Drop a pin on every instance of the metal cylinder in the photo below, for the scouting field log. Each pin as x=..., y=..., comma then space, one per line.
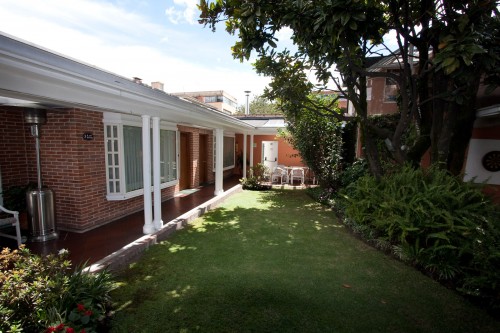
x=41, y=215
x=35, y=116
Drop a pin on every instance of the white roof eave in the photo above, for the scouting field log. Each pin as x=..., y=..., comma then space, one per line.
x=31, y=73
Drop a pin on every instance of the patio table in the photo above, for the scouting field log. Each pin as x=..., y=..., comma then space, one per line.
x=289, y=170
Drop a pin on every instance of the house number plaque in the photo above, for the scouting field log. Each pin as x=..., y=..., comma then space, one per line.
x=88, y=136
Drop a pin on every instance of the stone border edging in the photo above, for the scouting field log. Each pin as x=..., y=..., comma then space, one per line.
x=120, y=259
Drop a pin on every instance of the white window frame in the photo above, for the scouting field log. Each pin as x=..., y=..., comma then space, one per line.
x=113, y=119
x=229, y=135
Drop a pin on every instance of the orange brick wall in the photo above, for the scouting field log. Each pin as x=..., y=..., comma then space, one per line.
x=287, y=155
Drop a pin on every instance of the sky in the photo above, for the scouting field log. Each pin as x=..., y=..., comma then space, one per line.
x=154, y=40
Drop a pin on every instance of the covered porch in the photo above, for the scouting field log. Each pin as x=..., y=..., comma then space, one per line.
x=94, y=245
x=100, y=140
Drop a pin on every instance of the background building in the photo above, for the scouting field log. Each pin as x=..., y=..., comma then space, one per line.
x=219, y=99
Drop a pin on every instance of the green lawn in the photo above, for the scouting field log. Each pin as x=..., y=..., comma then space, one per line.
x=278, y=262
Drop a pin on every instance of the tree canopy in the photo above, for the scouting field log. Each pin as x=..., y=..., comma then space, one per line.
x=443, y=51
x=318, y=139
x=259, y=105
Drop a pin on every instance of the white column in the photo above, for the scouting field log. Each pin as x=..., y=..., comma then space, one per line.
x=251, y=150
x=158, y=223
x=148, y=227
x=244, y=155
x=219, y=160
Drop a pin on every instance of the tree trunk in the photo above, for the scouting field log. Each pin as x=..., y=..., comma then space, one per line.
x=423, y=118
x=463, y=128
x=439, y=111
x=370, y=150
x=443, y=144
x=368, y=141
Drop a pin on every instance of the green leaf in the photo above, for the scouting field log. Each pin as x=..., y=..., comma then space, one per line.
x=85, y=320
x=439, y=235
x=359, y=16
x=451, y=68
x=344, y=18
x=73, y=316
x=448, y=61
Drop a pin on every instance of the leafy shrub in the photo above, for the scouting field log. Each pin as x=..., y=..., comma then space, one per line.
x=257, y=175
x=408, y=139
x=321, y=195
x=41, y=293
x=330, y=196
x=435, y=221
x=353, y=172
x=318, y=137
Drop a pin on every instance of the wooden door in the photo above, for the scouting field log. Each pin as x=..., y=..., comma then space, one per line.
x=203, y=159
x=185, y=172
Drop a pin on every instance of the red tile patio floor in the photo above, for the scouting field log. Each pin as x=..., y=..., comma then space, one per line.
x=96, y=244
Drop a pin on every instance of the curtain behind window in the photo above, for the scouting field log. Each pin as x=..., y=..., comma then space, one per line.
x=168, y=156
x=132, y=144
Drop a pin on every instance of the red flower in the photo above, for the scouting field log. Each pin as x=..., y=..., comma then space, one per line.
x=83, y=330
x=50, y=329
x=80, y=307
x=60, y=327
x=70, y=330
x=88, y=313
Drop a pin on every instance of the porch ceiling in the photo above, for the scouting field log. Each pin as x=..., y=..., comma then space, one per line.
x=31, y=76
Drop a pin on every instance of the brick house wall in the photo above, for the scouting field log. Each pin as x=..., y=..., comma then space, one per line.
x=377, y=104
x=194, y=155
x=13, y=154
x=74, y=168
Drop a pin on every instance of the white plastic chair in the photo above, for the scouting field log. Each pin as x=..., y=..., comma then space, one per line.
x=279, y=173
x=297, y=173
x=12, y=221
x=285, y=171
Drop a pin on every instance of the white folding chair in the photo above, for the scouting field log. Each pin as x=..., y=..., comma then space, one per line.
x=11, y=221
